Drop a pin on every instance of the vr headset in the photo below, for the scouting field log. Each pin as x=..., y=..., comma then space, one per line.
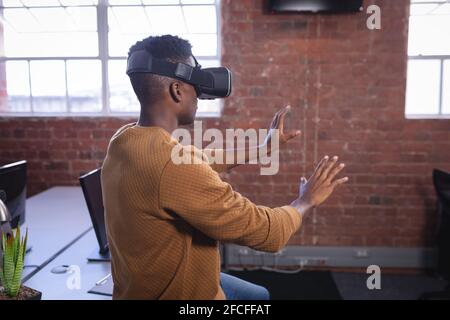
x=209, y=83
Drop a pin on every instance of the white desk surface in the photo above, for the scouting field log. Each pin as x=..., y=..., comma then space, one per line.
x=54, y=286
x=54, y=218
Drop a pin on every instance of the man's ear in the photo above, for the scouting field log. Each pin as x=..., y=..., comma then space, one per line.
x=175, y=91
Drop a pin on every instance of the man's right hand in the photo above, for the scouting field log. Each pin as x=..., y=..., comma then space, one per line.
x=320, y=185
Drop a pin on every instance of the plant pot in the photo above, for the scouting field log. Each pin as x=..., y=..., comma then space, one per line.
x=25, y=293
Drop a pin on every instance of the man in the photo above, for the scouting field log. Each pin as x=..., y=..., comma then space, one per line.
x=164, y=220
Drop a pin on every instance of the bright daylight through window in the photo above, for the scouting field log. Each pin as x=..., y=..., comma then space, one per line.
x=428, y=82
x=68, y=57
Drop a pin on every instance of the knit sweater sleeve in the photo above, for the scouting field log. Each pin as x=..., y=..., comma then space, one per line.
x=196, y=194
x=216, y=158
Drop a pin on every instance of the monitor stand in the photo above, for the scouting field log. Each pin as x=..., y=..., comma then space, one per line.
x=96, y=256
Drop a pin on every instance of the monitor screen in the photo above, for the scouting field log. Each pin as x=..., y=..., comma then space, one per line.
x=315, y=5
x=13, y=190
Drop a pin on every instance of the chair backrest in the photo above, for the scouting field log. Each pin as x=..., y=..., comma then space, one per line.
x=441, y=180
x=92, y=190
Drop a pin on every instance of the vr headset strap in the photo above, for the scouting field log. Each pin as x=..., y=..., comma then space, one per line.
x=141, y=62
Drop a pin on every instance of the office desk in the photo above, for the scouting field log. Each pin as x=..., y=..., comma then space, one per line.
x=54, y=286
x=55, y=219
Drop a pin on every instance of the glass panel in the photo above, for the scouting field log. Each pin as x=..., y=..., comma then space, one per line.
x=12, y=3
x=197, y=1
x=160, y=23
x=51, y=44
x=78, y=2
x=166, y=2
x=203, y=44
x=83, y=18
x=423, y=87
x=60, y=32
x=17, y=87
x=41, y=3
x=48, y=86
x=84, y=81
x=21, y=20
x=119, y=44
x=201, y=19
x=124, y=34
x=128, y=20
x=446, y=88
x=420, y=9
x=427, y=34
x=443, y=9
x=209, y=106
x=124, y=2
x=413, y=1
x=121, y=94
x=66, y=19
x=53, y=19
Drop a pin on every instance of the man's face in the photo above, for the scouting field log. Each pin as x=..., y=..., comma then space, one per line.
x=189, y=102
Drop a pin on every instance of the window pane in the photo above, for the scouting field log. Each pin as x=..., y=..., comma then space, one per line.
x=124, y=34
x=209, y=106
x=48, y=86
x=34, y=3
x=121, y=95
x=413, y=1
x=20, y=20
x=128, y=20
x=443, y=9
x=420, y=9
x=423, y=87
x=203, y=44
x=446, y=88
x=119, y=44
x=51, y=32
x=201, y=19
x=17, y=87
x=426, y=34
x=160, y=23
x=12, y=3
x=78, y=2
x=197, y=1
x=128, y=25
x=124, y=2
x=84, y=85
x=165, y=2
x=82, y=18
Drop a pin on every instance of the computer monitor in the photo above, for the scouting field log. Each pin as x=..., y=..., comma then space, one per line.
x=13, y=190
x=92, y=190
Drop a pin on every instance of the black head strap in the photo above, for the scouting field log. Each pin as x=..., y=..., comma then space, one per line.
x=142, y=62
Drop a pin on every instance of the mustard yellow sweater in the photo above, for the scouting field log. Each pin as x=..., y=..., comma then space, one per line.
x=164, y=220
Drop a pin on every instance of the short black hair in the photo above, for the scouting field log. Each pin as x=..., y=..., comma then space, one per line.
x=167, y=47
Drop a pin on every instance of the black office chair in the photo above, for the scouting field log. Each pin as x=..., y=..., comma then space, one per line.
x=441, y=181
x=92, y=190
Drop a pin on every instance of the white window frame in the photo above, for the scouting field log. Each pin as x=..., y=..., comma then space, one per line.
x=441, y=58
x=104, y=58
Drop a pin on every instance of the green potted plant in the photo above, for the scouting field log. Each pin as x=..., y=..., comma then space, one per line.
x=11, y=269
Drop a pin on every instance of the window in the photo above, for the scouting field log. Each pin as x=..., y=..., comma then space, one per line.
x=428, y=81
x=68, y=57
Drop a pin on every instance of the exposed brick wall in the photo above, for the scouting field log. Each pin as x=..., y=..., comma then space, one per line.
x=346, y=85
